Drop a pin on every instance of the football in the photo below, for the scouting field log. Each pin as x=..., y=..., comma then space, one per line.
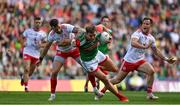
x=105, y=37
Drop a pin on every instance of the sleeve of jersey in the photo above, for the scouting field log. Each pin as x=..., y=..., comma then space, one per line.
x=50, y=38
x=135, y=35
x=78, y=43
x=80, y=40
x=69, y=27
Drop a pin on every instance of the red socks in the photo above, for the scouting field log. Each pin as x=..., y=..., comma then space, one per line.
x=104, y=90
x=53, y=84
x=92, y=80
x=149, y=89
x=25, y=83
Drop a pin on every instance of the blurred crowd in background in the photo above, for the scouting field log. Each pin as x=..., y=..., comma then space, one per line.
x=125, y=16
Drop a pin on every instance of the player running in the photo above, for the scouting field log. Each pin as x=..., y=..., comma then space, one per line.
x=135, y=57
x=92, y=58
x=33, y=39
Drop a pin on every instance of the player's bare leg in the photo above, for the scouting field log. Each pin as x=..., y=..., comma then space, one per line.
x=56, y=68
x=117, y=79
x=100, y=75
x=149, y=70
x=32, y=69
x=25, y=76
x=109, y=65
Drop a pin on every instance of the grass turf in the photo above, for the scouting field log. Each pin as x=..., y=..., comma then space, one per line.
x=81, y=98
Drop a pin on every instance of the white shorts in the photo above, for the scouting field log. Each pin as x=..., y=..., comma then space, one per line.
x=92, y=65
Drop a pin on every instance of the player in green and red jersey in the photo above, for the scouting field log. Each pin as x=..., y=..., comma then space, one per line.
x=92, y=58
x=103, y=47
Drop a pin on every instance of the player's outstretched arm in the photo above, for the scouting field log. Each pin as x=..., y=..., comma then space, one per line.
x=158, y=53
x=78, y=30
x=44, y=52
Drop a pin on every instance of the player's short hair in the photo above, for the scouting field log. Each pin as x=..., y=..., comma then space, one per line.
x=90, y=29
x=37, y=18
x=53, y=22
x=147, y=18
x=104, y=17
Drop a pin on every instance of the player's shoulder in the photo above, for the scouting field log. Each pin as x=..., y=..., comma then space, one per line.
x=137, y=32
x=65, y=25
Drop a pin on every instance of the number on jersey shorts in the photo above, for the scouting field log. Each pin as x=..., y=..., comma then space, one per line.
x=92, y=65
x=32, y=59
x=62, y=56
x=127, y=66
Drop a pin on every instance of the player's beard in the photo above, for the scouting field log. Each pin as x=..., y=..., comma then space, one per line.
x=145, y=30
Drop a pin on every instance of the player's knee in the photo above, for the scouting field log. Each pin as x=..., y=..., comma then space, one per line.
x=54, y=74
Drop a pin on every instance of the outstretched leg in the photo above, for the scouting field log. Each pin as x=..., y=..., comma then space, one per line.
x=109, y=85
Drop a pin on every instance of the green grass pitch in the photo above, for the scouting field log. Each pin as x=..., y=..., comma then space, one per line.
x=81, y=98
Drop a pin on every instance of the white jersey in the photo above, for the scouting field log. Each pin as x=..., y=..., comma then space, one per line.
x=66, y=34
x=135, y=54
x=33, y=39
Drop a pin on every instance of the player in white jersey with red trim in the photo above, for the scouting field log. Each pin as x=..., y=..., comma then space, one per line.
x=135, y=57
x=62, y=35
x=33, y=39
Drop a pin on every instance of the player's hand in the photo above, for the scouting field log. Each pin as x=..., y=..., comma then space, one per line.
x=171, y=60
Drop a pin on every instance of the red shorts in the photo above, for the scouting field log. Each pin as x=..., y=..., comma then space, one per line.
x=127, y=66
x=73, y=53
x=27, y=57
